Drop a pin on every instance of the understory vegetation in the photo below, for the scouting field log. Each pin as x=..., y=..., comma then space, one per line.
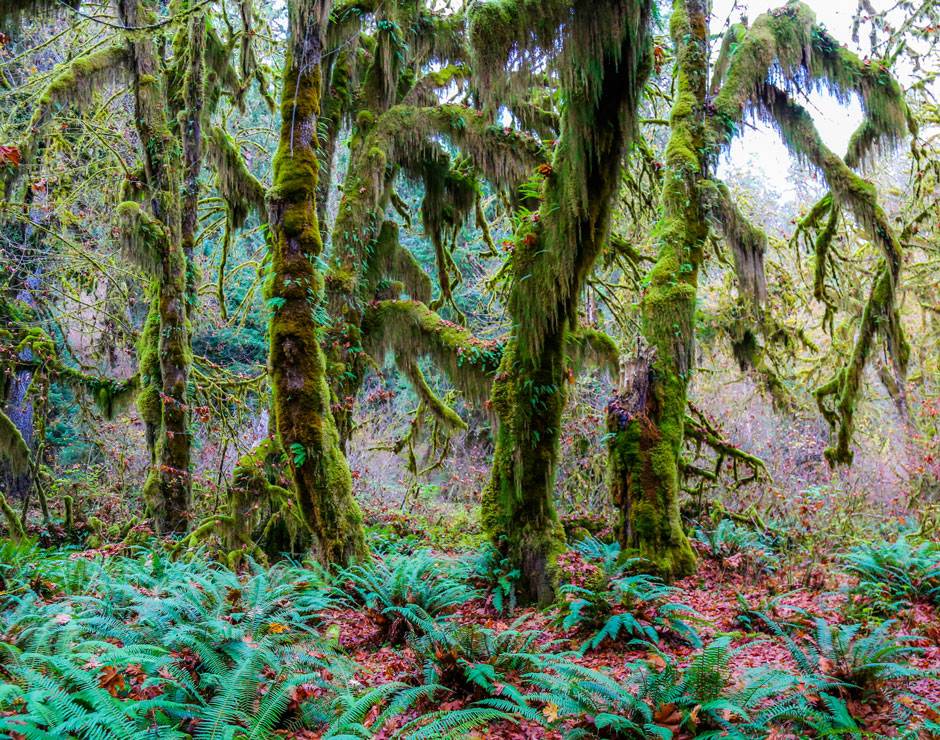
x=431, y=369
x=139, y=643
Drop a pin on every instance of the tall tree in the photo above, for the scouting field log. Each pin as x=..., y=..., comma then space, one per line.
x=758, y=70
x=303, y=417
x=602, y=54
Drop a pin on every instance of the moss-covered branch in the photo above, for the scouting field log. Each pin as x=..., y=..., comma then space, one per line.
x=586, y=347
x=143, y=238
x=242, y=191
x=747, y=241
x=13, y=447
x=412, y=330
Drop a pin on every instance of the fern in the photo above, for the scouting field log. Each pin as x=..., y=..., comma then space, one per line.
x=403, y=593
x=614, y=604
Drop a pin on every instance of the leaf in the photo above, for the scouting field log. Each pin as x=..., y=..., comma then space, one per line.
x=299, y=453
x=111, y=680
x=667, y=715
x=10, y=155
x=551, y=712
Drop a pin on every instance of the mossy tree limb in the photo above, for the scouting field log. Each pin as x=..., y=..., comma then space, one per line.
x=304, y=421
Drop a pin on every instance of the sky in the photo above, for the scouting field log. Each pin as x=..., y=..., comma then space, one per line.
x=759, y=149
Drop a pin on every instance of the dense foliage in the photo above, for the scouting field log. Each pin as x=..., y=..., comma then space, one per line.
x=445, y=368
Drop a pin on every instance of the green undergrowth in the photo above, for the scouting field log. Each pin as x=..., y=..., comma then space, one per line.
x=142, y=644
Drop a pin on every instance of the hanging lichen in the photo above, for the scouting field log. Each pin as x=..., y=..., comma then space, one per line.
x=143, y=238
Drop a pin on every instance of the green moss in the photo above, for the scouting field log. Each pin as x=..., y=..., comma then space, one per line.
x=239, y=187
x=264, y=510
x=645, y=421
x=74, y=82
x=15, y=530
x=306, y=429
x=143, y=238
x=411, y=330
x=13, y=448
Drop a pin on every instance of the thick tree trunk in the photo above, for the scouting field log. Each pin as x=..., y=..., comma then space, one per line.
x=553, y=256
x=646, y=420
x=518, y=503
x=303, y=418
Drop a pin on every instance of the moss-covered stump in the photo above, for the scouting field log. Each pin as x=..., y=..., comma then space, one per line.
x=264, y=510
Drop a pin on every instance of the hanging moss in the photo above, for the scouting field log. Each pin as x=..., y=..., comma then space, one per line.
x=110, y=396
x=748, y=244
x=790, y=40
x=586, y=347
x=13, y=11
x=15, y=530
x=143, y=238
x=519, y=34
x=241, y=190
x=881, y=312
x=444, y=413
x=601, y=53
x=411, y=330
x=786, y=51
x=74, y=82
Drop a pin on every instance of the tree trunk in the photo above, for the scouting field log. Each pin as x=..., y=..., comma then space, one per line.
x=553, y=255
x=303, y=418
x=646, y=419
x=165, y=341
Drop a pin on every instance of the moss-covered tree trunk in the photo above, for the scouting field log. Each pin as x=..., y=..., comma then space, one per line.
x=554, y=253
x=165, y=341
x=303, y=419
x=646, y=420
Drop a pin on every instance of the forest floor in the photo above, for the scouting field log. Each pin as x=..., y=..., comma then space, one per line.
x=131, y=621
x=715, y=593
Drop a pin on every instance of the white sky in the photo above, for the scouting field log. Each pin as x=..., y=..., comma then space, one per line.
x=759, y=148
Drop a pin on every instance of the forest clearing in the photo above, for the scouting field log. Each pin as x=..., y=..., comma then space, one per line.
x=506, y=369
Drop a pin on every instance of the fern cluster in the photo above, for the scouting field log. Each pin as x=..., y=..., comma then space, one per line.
x=734, y=545
x=615, y=603
x=404, y=593
x=892, y=575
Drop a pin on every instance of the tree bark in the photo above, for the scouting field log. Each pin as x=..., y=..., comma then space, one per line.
x=551, y=261
x=303, y=419
x=165, y=355
x=646, y=419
